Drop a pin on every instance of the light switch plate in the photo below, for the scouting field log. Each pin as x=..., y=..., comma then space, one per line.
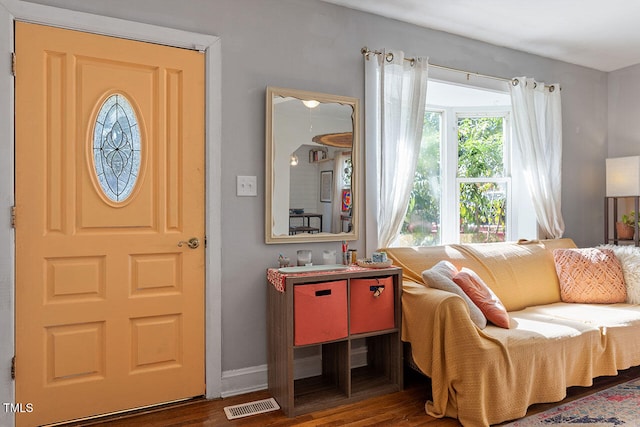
x=246, y=186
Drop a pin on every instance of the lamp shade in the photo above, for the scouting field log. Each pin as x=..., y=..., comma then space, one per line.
x=623, y=176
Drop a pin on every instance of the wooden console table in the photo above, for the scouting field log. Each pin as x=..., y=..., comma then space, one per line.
x=331, y=310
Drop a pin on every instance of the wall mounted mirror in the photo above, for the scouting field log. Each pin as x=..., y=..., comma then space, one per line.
x=312, y=145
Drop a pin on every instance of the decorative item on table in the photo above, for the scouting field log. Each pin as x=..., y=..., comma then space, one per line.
x=283, y=261
x=352, y=256
x=345, y=246
x=304, y=257
x=296, y=211
x=329, y=257
x=379, y=257
x=625, y=228
x=370, y=263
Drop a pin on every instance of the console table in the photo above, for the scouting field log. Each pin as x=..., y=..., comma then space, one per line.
x=306, y=226
x=332, y=310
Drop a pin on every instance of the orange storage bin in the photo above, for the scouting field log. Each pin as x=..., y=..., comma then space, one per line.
x=372, y=305
x=320, y=312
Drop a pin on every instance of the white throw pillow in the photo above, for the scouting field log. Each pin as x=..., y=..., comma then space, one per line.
x=439, y=277
x=629, y=257
x=445, y=268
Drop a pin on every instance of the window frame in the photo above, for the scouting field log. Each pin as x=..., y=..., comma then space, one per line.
x=450, y=182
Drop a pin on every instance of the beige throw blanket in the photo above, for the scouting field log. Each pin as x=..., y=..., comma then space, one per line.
x=484, y=377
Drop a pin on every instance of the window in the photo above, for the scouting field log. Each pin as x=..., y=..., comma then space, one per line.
x=482, y=181
x=116, y=148
x=462, y=187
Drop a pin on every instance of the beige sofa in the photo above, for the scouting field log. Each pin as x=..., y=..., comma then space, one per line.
x=491, y=375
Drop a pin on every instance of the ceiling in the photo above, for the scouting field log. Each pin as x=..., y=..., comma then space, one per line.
x=603, y=35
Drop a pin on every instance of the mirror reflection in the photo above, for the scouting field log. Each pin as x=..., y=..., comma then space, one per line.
x=311, y=145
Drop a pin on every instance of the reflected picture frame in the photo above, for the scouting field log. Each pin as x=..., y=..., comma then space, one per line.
x=346, y=200
x=326, y=184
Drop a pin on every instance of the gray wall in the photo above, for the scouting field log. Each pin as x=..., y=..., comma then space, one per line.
x=624, y=112
x=307, y=44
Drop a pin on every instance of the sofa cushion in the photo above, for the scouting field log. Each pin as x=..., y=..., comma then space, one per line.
x=629, y=257
x=440, y=277
x=619, y=326
x=590, y=275
x=414, y=260
x=521, y=275
x=483, y=297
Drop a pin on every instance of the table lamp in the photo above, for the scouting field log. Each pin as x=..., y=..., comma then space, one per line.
x=623, y=176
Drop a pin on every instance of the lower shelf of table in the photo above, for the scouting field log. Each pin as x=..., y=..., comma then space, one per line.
x=317, y=393
x=621, y=242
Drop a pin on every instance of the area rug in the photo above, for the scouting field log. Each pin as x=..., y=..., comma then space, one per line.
x=616, y=406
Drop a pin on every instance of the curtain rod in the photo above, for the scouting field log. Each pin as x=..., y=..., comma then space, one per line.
x=389, y=56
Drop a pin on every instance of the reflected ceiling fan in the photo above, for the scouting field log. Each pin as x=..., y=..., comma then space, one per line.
x=339, y=140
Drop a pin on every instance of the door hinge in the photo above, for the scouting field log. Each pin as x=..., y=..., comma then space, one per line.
x=13, y=368
x=13, y=217
x=13, y=63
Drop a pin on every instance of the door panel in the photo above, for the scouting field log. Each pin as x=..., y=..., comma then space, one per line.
x=109, y=310
x=99, y=78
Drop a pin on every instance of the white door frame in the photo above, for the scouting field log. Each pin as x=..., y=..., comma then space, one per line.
x=11, y=10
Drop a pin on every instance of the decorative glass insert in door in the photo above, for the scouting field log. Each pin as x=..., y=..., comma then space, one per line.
x=116, y=148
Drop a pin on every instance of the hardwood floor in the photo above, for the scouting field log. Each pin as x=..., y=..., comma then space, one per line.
x=405, y=408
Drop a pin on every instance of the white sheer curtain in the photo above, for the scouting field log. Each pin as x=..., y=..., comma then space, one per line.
x=338, y=186
x=395, y=94
x=538, y=125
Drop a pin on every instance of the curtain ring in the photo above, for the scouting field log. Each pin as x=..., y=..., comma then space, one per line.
x=515, y=82
x=389, y=57
x=412, y=62
x=535, y=85
x=552, y=88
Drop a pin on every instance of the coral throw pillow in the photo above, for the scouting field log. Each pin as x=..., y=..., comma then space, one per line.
x=440, y=277
x=483, y=297
x=590, y=275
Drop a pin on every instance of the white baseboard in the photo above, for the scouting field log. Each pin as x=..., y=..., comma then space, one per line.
x=254, y=378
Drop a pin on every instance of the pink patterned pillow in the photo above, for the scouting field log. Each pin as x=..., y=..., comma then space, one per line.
x=483, y=297
x=590, y=275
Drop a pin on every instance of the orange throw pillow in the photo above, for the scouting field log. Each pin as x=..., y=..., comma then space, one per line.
x=483, y=297
x=590, y=275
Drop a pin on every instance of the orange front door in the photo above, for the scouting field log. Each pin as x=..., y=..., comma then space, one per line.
x=109, y=180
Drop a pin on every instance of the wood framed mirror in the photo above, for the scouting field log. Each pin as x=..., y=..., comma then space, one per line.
x=312, y=146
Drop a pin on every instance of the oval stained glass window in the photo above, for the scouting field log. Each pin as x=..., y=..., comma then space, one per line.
x=116, y=148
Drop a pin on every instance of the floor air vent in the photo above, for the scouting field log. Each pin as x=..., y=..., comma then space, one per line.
x=251, y=408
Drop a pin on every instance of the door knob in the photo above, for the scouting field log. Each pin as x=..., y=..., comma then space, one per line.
x=192, y=243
